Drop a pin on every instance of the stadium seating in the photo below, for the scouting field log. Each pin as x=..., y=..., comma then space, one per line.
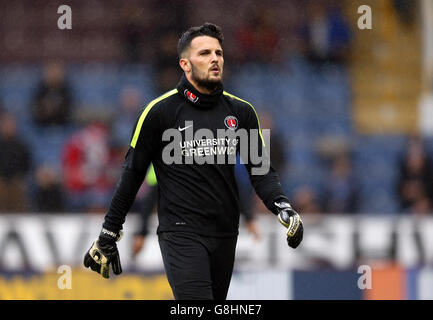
x=307, y=105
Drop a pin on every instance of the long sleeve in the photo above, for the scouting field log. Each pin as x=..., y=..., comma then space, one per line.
x=126, y=190
x=138, y=158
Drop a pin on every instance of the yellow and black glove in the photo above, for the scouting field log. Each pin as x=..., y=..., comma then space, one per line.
x=290, y=219
x=104, y=253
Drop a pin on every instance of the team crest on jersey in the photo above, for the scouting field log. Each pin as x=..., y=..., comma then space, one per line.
x=231, y=122
x=191, y=96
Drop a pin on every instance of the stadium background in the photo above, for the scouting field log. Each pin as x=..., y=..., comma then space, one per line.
x=348, y=108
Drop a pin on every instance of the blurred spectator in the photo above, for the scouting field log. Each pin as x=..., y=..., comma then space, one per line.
x=258, y=38
x=278, y=151
x=422, y=205
x=305, y=200
x=15, y=164
x=166, y=62
x=247, y=196
x=326, y=34
x=167, y=78
x=173, y=13
x=146, y=209
x=130, y=102
x=165, y=38
x=341, y=191
x=49, y=196
x=53, y=99
x=134, y=26
x=406, y=11
x=415, y=187
x=86, y=168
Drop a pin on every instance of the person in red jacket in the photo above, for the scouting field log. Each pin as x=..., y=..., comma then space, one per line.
x=85, y=162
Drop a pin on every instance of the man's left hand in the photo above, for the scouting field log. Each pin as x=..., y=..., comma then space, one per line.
x=290, y=219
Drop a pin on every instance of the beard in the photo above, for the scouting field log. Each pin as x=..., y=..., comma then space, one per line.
x=203, y=81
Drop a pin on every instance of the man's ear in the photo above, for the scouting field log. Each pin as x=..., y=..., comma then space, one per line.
x=185, y=65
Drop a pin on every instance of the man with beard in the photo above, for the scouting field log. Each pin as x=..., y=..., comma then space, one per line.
x=198, y=204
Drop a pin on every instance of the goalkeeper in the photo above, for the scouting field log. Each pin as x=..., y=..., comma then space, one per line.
x=198, y=204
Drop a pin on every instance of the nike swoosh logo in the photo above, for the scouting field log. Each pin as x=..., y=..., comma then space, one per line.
x=181, y=129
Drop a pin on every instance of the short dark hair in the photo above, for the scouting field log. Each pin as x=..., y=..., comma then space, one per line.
x=208, y=29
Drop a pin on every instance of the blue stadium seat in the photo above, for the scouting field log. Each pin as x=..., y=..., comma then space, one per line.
x=17, y=87
x=376, y=166
x=306, y=105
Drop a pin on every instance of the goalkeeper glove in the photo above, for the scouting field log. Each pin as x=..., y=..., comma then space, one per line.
x=290, y=219
x=104, y=253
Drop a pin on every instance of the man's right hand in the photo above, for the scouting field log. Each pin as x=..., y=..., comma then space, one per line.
x=104, y=253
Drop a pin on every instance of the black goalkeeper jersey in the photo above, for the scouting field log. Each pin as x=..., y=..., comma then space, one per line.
x=195, y=197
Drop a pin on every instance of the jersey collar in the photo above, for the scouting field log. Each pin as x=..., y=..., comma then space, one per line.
x=192, y=95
